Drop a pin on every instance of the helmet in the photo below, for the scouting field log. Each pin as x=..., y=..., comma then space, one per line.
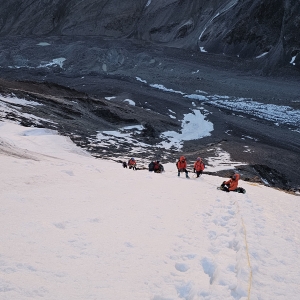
x=233, y=177
x=198, y=158
x=132, y=158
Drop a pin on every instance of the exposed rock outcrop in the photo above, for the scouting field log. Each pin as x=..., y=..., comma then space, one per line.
x=268, y=29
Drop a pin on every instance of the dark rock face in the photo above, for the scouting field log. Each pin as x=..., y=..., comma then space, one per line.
x=57, y=17
x=254, y=28
x=247, y=28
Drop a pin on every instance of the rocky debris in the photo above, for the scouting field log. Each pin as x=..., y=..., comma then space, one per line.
x=267, y=29
x=60, y=103
x=83, y=117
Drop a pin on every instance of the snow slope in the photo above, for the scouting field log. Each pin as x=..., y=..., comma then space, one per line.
x=76, y=227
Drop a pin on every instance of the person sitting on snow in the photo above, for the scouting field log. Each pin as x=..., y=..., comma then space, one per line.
x=132, y=163
x=181, y=166
x=198, y=166
x=156, y=166
x=231, y=184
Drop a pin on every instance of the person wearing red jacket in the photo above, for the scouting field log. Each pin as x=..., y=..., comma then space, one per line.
x=198, y=166
x=181, y=166
x=132, y=163
x=231, y=184
x=156, y=166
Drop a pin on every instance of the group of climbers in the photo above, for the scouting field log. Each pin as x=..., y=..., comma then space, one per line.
x=227, y=186
x=198, y=166
x=156, y=167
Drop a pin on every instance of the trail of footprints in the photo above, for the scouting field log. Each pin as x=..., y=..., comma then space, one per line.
x=216, y=271
x=227, y=264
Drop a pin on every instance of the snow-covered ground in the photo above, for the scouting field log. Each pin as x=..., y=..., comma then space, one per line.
x=76, y=227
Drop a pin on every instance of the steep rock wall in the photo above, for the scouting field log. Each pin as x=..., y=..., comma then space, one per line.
x=268, y=29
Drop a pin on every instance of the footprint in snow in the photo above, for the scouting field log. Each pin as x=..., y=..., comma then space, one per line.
x=181, y=267
x=208, y=267
x=68, y=172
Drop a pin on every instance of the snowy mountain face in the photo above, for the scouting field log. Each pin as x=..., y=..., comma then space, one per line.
x=76, y=227
x=85, y=85
x=246, y=29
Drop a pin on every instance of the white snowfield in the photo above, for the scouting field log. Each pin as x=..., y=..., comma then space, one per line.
x=75, y=227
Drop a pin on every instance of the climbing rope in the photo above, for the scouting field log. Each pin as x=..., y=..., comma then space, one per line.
x=246, y=243
x=247, y=252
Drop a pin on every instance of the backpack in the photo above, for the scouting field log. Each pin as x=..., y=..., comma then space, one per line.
x=151, y=166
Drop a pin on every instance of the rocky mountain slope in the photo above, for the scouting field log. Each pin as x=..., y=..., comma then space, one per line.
x=247, y=29
x=91, y=67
